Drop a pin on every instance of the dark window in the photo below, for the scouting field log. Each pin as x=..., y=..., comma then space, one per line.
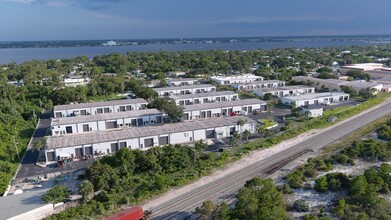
x=68, y=129
x=148, y=142
x=122, y=108
x=128, y=108
x=203, y=114
x=206, y=100
x=106, y=110
x=210, y=134
x=83, y=112
x=99, y=111
x=143, y=106
x=111, y=124
x=79, y=152
x=50, y=156
x=140, y=121
x=114, y=147
x=134, y=122
x=185, y=116
x=209, y=114
x=58, y=115
x=163, y=140
x=181, y=102
x=88, y=150
x=122, y=145
x=86, y=128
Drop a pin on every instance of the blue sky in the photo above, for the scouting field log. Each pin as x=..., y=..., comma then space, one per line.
x=135, y=19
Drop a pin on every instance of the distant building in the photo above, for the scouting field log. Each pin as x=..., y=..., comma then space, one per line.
x=257, y=84
x=93, y=108
x=285, y=91
x=110, y=43
x=208, y=97
x=323, y=98
x=182, y=90
x=76, y=82
x=313, y=110
x=176, y=73
x=16, y=83
x=228, y=80
x=361, y=67
x=181, y=81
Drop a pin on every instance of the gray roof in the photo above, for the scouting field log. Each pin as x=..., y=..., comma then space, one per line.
x=316, y=95
x=362, y=85
x=222, y=104
x=14, y=205
x=201, y=95
x=285, y=88
x=180, y=79
x=184, y=87
x=103, y=117
x=259, y=82
x=99, y=104
x=144, y=131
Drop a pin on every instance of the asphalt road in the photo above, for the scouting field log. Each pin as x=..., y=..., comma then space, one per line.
x=227, y=186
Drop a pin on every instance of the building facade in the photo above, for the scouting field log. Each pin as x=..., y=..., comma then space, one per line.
x=324, y=98
x=228, y=80
x=285, y=91
x=200, y=98
x=182, y=90
x=258, y=85
x=94, y=108
x=219, y=109
x=99, y=122
x=110, y=141
x=181, y=81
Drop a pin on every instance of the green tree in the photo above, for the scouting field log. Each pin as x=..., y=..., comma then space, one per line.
x=207, y=210
x=86, y=188
x=301, y=206
x=240, y=123
x=57, y=194
x=246, y=134
x=321, y=184
x=358, y=185
x=235, y=140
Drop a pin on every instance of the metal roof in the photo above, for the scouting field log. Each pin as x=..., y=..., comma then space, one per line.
x=143, y=131
x=201, y=95
x=315, y=95
x=225, y=104
x=184, y=87
x=285, y=88
x=103, y=117
x=259, y=82
x=99, y=104
x=180, y=79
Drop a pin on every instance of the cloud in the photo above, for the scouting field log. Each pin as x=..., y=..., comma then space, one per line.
x=261, y=20
x=97, y=4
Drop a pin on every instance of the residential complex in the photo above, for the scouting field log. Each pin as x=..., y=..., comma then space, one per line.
x=182, y=90
x=228, y=80
x=218, y=109
x=98, y=122
x=110, y=141
x=324, y=98
x=258, y=85
x=285, y=91
x=181, y=81
x=93, y=108
x=200, y=98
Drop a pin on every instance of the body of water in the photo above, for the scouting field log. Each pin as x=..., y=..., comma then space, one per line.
x=20, y=55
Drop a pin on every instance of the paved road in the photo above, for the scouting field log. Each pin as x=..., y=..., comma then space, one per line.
x=227, y=186
x=28, y=167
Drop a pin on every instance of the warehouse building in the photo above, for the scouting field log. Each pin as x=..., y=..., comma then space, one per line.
x=200, y=98
x=324, y=98
x=285, y=91
x=181, y=81
x=110, y=141
x=93, y=108
x=228, y=80
x=182, y=90
x=258, y=85
x=99, y=122
x=218, y=109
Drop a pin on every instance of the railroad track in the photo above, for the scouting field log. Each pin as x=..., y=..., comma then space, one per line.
x=229, y=184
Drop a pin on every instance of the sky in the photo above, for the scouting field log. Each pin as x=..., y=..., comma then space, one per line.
x=153, y=19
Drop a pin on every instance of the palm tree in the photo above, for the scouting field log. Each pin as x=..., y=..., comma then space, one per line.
x=240, y=123
x=246, y=134
x=235, y=140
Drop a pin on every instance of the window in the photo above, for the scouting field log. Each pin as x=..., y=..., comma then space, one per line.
x=122, y=145
x=106, y=110
x=181, y=102
x=99, y=111
x=68, y=129
x=86, y=128
x=128, y=108
x=186, y=134
x=122, y=108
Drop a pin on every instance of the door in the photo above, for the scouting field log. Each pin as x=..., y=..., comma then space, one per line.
x=50, y=156
x=209, y=114
x=163, y=140
x=148, y=142
x=79, y=152
x=140, y=122
x=114, y=147
x=111, y=124
x=88, y=151
x=68, y=129
x=210, y=134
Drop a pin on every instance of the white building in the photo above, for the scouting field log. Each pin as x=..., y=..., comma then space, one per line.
x=181, y=81
x=93, y=108
x=324, y=98
x=99, y=122
x=200, y=98
x=182, y=90
x=362, y=67
x=73, y=82
x=228, y=80
x=335, y=84
x=313, y=110
x=218, y=109
x=258, y=85
x=110, y=141
x=176, y=73
x=285, y=91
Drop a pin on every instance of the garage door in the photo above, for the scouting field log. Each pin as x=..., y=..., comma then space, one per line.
x=163, y=140
x=114, y=148
x=88, y=150
x=210, y=134
x=79, y=152
x=50, y=156
x=111, y=124
x=148, y=142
